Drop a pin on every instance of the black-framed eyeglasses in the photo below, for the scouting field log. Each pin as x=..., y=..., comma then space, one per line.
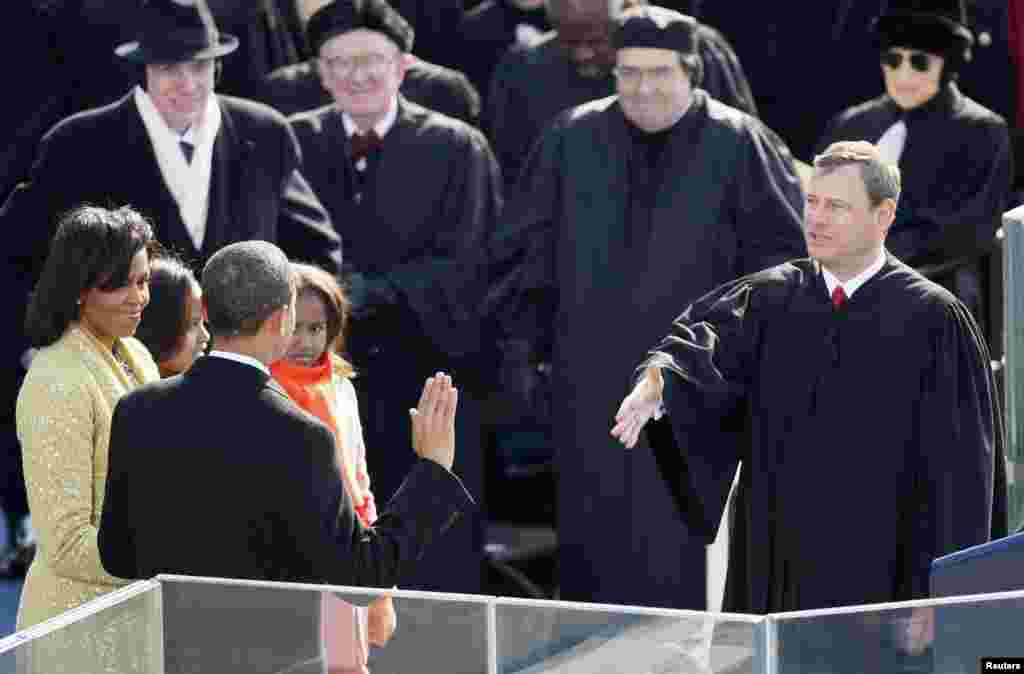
x=919, y=60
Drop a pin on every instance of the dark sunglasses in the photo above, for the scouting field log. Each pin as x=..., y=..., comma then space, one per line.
x=919, y=61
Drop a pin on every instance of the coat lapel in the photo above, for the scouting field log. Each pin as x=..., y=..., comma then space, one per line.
x=227, y=198
x=143, y=165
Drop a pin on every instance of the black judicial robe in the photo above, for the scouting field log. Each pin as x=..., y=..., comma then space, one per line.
x=956, y=175
x=601, y=259
x=297, y=88
x=532, y=85
x=415, y=224
x=868, y=435
x=488, y=30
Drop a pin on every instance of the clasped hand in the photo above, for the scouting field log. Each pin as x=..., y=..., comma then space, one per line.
x=433, y=421
x=639, y=407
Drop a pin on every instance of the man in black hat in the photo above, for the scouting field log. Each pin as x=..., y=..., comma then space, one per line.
x=208, y=170
x=629, y=205
x=572, y=65
x=296, y=88
x=954, y=152
x=415, y=195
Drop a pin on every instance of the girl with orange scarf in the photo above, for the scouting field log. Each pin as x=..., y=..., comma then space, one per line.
x=318, y=380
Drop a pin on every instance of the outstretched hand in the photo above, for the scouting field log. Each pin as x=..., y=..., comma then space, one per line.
x=433, y=421
x=639, y=407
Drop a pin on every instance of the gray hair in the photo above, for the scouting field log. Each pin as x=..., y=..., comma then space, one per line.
x=881, y=178
x=243, y=285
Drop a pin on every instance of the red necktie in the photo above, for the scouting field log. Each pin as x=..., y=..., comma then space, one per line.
x=838, y=298
x=362, y=144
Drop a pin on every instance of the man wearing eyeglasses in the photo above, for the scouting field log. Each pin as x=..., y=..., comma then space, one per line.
x=628, y=206
x=954, y=152
x=572, y=65
x=415, y=194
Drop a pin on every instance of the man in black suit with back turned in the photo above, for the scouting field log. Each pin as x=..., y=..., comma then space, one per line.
x=218, y=473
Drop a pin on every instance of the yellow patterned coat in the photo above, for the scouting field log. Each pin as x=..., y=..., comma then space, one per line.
x=63, y=416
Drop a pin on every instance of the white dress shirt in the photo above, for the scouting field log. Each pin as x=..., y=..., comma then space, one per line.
x=240, y=358
x=851, y=286
x=382, y=127
x=188, y=183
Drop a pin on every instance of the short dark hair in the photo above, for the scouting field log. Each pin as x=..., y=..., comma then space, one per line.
x=92, y=248
x=167, y=317
x=243, y=285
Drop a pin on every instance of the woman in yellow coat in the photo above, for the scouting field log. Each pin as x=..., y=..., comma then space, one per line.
x=81, y=318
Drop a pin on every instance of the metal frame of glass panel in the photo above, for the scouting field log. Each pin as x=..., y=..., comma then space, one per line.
x=629, y=628
x=1013, y=366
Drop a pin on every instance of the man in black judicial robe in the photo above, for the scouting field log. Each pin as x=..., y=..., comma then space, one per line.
x=954, y=151
x=416, y=205
x=572, y=65
x=627, y=207
x=297, y=88
x=858, y=396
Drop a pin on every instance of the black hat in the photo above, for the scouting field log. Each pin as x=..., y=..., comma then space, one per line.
x=171, y=31
x=937, y=26
x=341, y=16
x=656, y=28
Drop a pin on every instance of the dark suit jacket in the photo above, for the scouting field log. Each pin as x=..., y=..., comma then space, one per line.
x=218, y=473
x=104, y=156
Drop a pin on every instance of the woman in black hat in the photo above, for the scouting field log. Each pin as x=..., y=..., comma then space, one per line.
x=953, y=152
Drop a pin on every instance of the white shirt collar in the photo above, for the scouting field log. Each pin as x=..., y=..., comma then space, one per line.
x=381, y=127
x=240, y=358
x=851, y=286
x=155, y=122
x=188, y=183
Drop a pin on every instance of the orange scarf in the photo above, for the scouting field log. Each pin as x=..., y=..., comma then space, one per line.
x=313, y=389
x=308, y=386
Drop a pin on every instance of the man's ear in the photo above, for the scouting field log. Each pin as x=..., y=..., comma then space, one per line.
x=405, y=61
x=204, y=311
x=320, y=69
x=885, y=214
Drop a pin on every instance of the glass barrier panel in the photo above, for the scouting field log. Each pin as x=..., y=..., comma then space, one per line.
x=1013, y=369
x=951, y=636
x=119, y=632
x=225, y=626
x=549, y=637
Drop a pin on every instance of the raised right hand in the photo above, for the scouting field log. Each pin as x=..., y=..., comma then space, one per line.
x=433, y=421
